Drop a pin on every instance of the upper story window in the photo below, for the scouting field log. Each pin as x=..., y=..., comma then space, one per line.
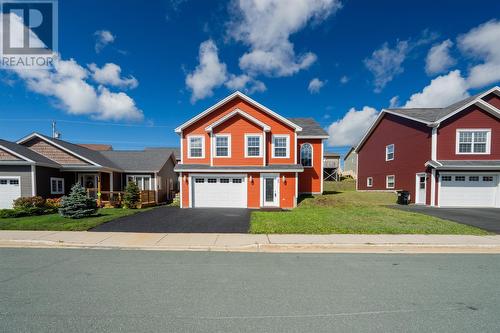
x=196, y=147
x=222, y=145
x=389, y=152
x=281, y=146
x=472, y=141
x=56, y=186
x=253, y=145
x=306, y=153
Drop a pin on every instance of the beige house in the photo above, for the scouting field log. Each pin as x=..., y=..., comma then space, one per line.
x=350, y=164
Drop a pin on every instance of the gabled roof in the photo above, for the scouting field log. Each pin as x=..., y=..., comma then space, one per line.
x=139, y=161
x=310, y=128
x=349, y=153
x=26, y=154
x=244, y=97
x=432, y=117
x=236, y=112
x=464, y=164
x=88, y=155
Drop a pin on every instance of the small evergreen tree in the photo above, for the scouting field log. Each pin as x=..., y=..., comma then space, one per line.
x=132, y=195
x=77, y=204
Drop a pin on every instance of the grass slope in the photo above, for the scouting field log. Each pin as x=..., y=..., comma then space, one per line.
x=58, y=223
x=342, y=210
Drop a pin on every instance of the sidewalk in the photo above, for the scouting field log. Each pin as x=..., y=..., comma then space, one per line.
x=253, y=243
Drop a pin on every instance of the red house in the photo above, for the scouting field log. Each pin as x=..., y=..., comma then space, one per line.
x=445, y=157
x=239, y=153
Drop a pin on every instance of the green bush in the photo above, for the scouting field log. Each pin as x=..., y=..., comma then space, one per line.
x=77, y=205
x=28, y=206
x=29, y=202
x=132, y=196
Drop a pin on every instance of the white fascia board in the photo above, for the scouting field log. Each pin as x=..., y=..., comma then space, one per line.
x=29, y=137
x=16, y=154
x=313, y=137
x=245, y=98
x=228, y=116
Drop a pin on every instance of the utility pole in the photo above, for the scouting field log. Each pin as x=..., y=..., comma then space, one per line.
x=55, y=133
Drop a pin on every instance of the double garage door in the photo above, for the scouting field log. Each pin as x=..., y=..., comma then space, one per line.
x=469, y=190
x=10, y=190
x=219, y=191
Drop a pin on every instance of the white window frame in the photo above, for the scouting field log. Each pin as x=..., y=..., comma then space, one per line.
x=189, y=137
x=387, y=181
x=387, y=152
x=312, y=154
x=261, y=144
x=134, y=177
x=214, y=144
x=488, y=141
x=57, y=180
x=287, y=136
x=369, y=182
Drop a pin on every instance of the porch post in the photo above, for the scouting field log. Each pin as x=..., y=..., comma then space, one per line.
x=111, y=183
x=99, y=189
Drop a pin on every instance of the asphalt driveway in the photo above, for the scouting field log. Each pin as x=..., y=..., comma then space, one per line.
x=176, y=220
x=484, y=218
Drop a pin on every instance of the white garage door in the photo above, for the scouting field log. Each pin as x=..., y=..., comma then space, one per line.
x=219, y=191
x=10, y=190
x=468, y=190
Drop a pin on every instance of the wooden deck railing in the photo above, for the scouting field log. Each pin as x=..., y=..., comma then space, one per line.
x=115, y=198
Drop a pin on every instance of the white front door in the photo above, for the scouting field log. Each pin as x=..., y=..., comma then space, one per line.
x=270, y=190
x=421, y=188
x=469, y=190
x=219, y=191
x=10, y=190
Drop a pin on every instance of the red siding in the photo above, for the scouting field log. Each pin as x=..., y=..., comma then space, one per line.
x=412, y=147
x=468, y=119
x=310, y=179
x=493, y=100
x=253, y=188
x=287, y=190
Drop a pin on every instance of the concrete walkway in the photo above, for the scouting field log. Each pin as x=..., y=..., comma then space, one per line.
x=254, y=243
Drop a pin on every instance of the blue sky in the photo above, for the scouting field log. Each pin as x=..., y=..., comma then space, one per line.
x=311, y=58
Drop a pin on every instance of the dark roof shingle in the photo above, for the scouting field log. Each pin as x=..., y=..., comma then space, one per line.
x=309, y=127
x=147, y=160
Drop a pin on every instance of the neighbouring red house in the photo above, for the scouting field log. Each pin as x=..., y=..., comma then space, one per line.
x=445, y=157
x=239, y=153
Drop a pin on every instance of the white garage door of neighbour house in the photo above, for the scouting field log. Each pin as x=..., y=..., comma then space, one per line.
x=10, y=190
x=219, y=191
x=466, y=190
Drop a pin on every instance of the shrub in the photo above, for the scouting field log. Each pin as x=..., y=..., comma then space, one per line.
x=54, y=203
x=77, y=205
x=29, y=202
x=132, y=196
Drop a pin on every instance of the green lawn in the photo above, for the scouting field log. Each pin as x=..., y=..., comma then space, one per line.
x=58, y=223
x=342, y=210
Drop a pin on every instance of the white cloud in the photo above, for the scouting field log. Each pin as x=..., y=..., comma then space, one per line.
x=103, y=38
x=344, y=79
x=315, y=85
x=350, y=129
x=110, y=74
x=266, y=27
x=67, y=82
x=245, y=83
x=209, y=74
x=385, y=63
x=394, y=102
x=442, y=91
x=438, y=59
x=483, y=43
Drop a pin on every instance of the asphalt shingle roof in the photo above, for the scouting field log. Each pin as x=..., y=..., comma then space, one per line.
x=433, y=114
x=28, y=153
x=147, y=160
x=175, y=150
x=309, y=127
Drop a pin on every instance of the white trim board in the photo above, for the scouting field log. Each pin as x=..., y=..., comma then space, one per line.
x=236, y=112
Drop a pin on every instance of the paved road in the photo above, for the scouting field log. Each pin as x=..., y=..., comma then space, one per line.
x=175, y=220
x=44, y=290
x=484, y=218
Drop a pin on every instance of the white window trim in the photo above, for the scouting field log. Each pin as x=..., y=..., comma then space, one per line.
x=202, y=146
x=287, y=136
x=261, y=144
x=387, y=182
x=488, y=140
x=387, y=152
x=214, y=144
x=312, y=154
x=369, y=182
x=142, y=176
x=56, y=179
